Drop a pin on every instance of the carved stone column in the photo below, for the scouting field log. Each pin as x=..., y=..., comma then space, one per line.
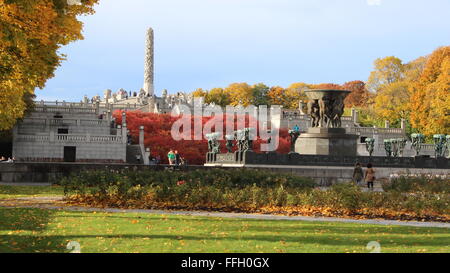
x=148, y=68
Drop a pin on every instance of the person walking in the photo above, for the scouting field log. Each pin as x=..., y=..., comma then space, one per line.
x=370, y=176
x=358, y=173
x=177, y=158
x=171, y=157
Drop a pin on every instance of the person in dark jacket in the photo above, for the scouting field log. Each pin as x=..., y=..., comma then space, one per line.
x=177, y=158
x=358, y=174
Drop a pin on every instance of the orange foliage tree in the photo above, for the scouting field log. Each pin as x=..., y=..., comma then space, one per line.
x=430, y=95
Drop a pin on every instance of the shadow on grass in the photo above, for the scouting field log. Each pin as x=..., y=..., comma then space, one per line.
x=57, y=243
x=14, y=221
x=280, y=226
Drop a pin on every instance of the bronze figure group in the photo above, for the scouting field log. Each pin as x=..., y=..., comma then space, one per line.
x=326, y=112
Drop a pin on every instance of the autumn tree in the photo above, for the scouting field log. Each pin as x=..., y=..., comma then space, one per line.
x=199, y=93
x=387, y=70
x=326, y=86
x=295, y=93
x=430, y=95
x=31, y=33
x=359, y=95
x=392, y=102
x=218, y=96
x=240, y=94
x=276, y=96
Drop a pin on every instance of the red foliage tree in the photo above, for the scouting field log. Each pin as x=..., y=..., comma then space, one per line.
x=157, y=132
x=359, y=95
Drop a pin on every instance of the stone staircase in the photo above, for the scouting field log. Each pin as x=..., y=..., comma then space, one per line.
x=133, y=152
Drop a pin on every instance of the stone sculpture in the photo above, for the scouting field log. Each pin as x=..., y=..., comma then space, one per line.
x=439, y=145
x=416, y=142
x=229, y=145
x=294, y=134
x=213, y=143
x=388, y=147
x=448, y=145
x=401, y=143
x=326, y=107
x=314, y=112
x=148, y=67
x=370, y=145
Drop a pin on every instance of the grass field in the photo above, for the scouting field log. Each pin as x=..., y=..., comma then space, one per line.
x=38, y=230
x=7, y=192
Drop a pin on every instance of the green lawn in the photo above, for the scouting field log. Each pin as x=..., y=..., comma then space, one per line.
x=36, y=230
x=29, y=191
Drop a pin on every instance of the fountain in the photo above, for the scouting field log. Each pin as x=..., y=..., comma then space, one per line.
x=326, y=137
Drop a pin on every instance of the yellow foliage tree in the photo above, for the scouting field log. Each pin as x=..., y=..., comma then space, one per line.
x=392, y=102
x=387, y=70
x=199, y=93
x=295, y=93
x=31, y=32
x=240, y=94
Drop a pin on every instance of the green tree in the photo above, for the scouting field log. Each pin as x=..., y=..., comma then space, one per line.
x=260, y=92
x=218, y=96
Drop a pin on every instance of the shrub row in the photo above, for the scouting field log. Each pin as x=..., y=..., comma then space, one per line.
x=244, y=190
x=422, y=183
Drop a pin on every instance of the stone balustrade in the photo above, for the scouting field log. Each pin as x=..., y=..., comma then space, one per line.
x=375, y=131
x=73, y=122
x=33, y=138
x=64, y=109
x=66, y=138
x=424, y=148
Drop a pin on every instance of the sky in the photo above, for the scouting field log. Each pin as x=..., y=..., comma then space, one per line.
x=212, y=43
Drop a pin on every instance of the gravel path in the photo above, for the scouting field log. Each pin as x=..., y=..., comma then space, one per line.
x=24, y=184
x=57, y=203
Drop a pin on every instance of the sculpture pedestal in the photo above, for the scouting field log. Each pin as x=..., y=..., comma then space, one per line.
x=327, y=141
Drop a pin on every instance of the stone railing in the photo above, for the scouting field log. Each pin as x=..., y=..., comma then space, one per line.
x=59, y=122
x=425, y=147
x=69, y=138
x=32, y=138
x=93, y=122
x=64, y=109
x=375, y=131
x=347, y=118
x=106, y=139
x=73, y=122
x=88, y=138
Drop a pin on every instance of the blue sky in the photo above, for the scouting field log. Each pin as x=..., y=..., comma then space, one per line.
x=212, y=43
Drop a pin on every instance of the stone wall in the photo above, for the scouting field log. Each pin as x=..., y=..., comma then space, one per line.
x=323, y=175
x=295, y=159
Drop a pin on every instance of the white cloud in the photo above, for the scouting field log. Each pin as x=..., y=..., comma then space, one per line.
x=373, y=2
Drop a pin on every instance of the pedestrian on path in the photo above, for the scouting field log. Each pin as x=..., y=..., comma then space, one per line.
x=171, y=157
x=370, y=176
x=177, y=158
x=358, y=174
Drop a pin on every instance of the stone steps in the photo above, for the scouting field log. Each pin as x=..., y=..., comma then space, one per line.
x=132, y=152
